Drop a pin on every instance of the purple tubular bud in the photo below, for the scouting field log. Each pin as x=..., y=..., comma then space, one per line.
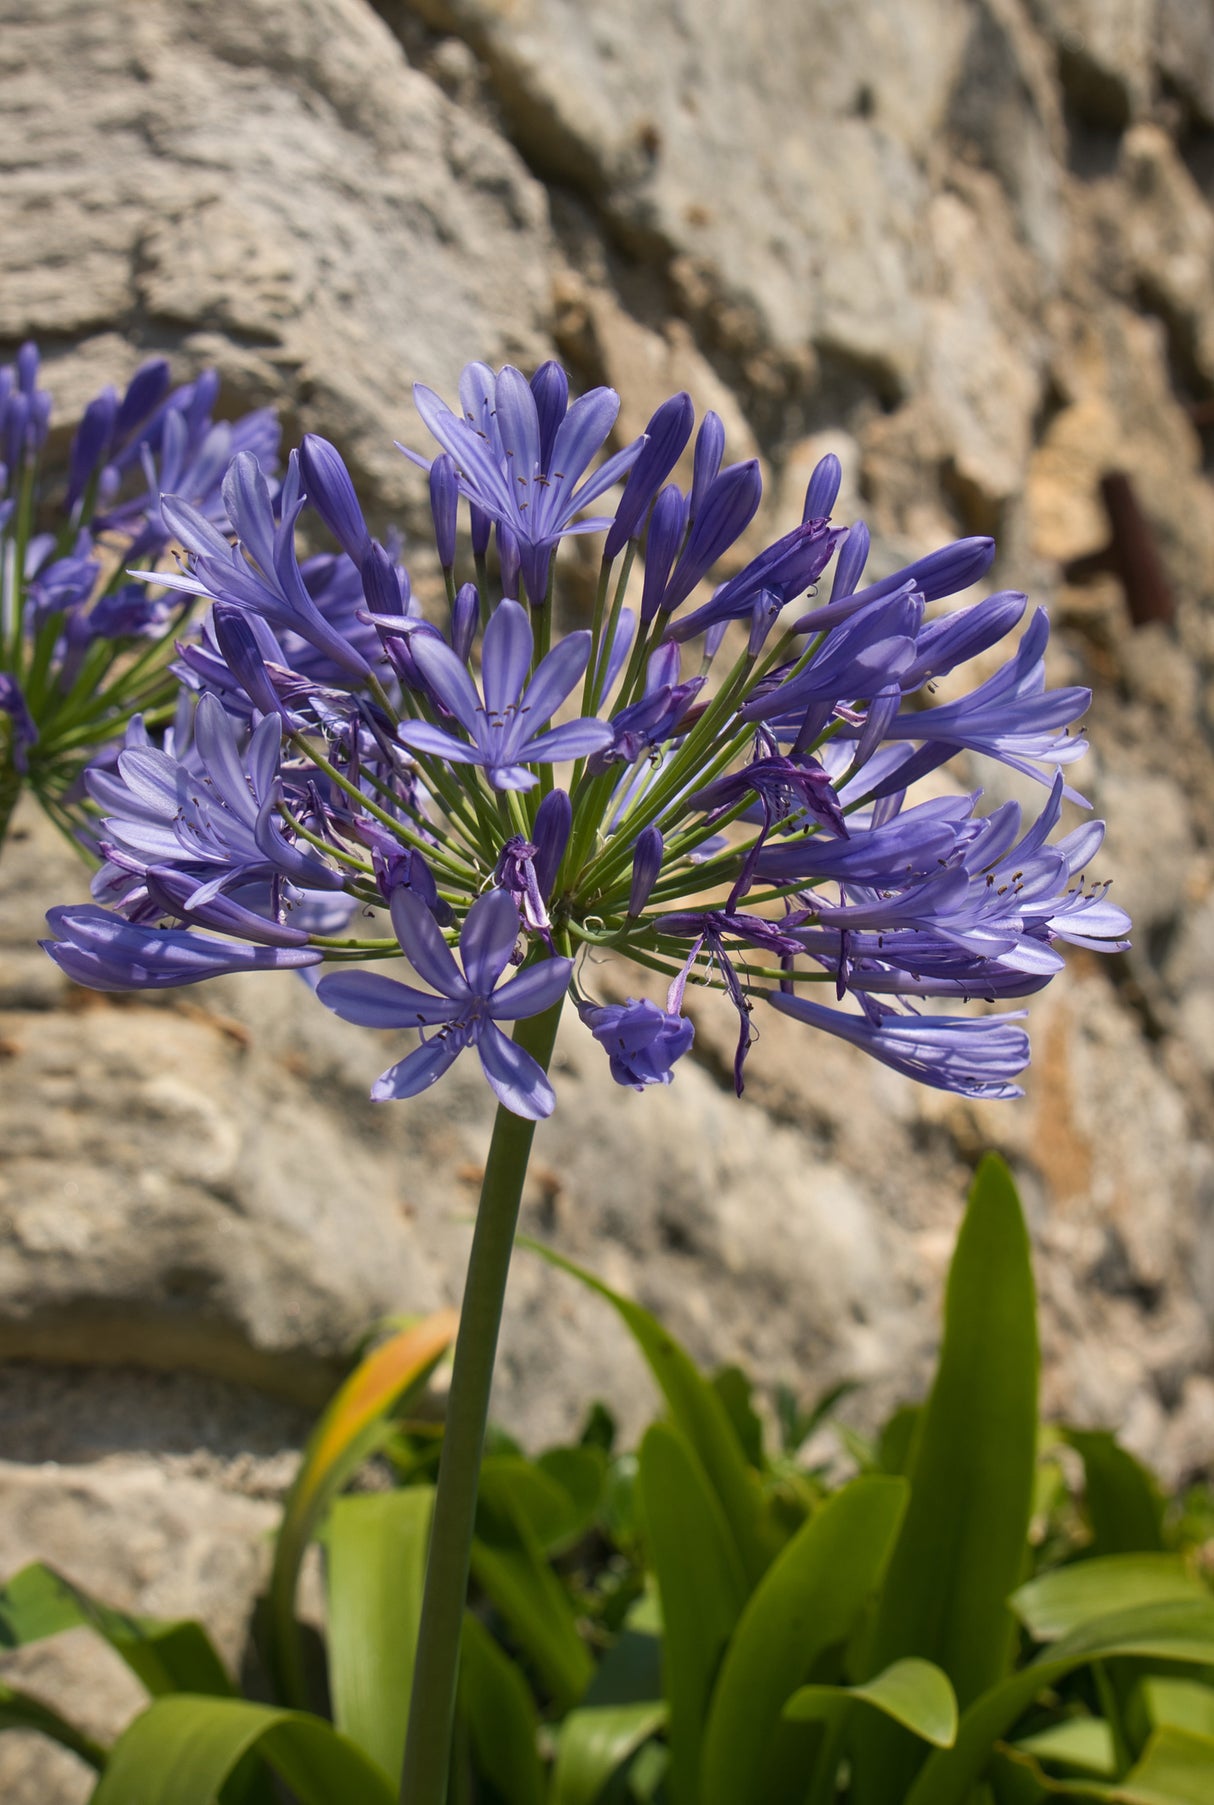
x=550, y=390
x=481, y=525
x=646, y=864
x=464, y=616
x=171, y=891
x=713, y=638
x=728, y=508
x=823, y=490
x=710, y=449
x=665, y=437
x=40, y=419
x=444, y=505
x=381, y=585
x=953, y=568
x=667, y=524
x=91, y=445
x=28, y=361
x=853, y=556
x=240, y=652
x=145, y=391
x=511, y=563
x=104, y=952
x=550, y=836
x=331, y=494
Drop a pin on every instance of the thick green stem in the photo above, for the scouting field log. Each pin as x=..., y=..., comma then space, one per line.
x=432, y=1707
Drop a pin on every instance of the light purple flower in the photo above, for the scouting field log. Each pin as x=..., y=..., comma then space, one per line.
x=642, y=1041
x=504, y=729
x=104, y=952
x=506, y=469
x=978, y=1058
x=467, y=1008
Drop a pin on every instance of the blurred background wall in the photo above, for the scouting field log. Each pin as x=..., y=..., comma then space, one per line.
x=968, y=245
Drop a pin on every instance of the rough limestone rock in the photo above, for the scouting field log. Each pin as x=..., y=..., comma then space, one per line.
x=970, y=247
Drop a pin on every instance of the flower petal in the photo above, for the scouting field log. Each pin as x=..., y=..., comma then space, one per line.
x=424, y=946
x=419, y=1069
x=506, y=655
x=448, y=679
x=488, y=939
x=514, y=1078
x=533, y=991
x=374, y=1001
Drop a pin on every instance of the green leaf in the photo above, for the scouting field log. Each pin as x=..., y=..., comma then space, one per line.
x=1082, y=1743
x=700, y=1414
x=165, y=1656
x=1179, y=1704
x=1181, y=1631
x=497, y=1707
x=913, y=1693
x=734, y=1390
x=594, y=1743
x=376, y=1550
x=806, y=1603
x=508, y=1564
x=539, y=1498
x=1177, y=1768
x=182, y=1749
x=1124, y=1504
x=18, y=1711
x=963, y=1541
x=351, y=1427
x=703, y=1590
x=582, y=1472
x=1055, y=1603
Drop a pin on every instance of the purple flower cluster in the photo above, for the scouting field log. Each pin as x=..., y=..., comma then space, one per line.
x=723, y=786
x=84, y=645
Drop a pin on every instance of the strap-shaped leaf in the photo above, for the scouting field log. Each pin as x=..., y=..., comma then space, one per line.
x=1124, y=1504
x=1056, y=1603
x=182, y=1749
x=700, y=1414
x=961, y=1549
x=498, y=1709
x=594, y=1743
x=508, y=1563
x=702, y=1586
x=1084, y=1744
x=167, y=1656
x=350, y=1428
x=1179, y=1704
x=808, y=1602
x=1177, y=1768
x=377, y=1545
x=914, y=1693
x=1182, y=1631
x=18, y=1711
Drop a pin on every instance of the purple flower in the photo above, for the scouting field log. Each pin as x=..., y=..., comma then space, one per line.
x=786, y=569
x=467, y=1008
x=507, y=471
x=978, y=1058
x=214, y=818
x=105, y=952
x=642, y=1041
x=1011, y=717
x=503, y=729
x=261, y=573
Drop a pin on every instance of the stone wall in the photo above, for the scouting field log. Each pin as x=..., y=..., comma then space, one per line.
x=969, y=245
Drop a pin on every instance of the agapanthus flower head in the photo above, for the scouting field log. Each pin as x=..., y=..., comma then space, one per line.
x=84, y=645
x=525, y=802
